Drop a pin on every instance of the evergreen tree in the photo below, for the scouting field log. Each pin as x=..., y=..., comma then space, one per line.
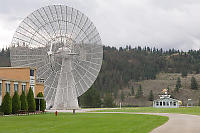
x=151, y=96
x=16, y=104
x=91, y=98
x=108, y=101
x=132, y=91
x=199, y=102
x=115, y=93
x=40, y=103
x=97, y=99
x=122, y=96
x=31, y=101
x=139, y=92
x=24, y=103
x=184, y=73
x=178, y=84
x=168, y=88
x=7, y=104
x=194, y=84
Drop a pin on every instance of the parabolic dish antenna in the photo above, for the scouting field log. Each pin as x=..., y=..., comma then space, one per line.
x=65, y=47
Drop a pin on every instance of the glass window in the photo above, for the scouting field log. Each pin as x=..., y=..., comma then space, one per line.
x=7, y=87
x=167, y=103
x=16, y=88
x=174, y=103
x=24, y=87
x=157, y=103
x=31, y=72
x=163, y=103
x=160, y=103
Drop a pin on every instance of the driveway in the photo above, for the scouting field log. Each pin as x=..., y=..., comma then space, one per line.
x=178, y=123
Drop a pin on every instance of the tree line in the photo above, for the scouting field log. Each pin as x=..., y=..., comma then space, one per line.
x=125, y=64
x=120, y=66
x=22, y=103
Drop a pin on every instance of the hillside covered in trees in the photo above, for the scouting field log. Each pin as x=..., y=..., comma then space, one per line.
x=135, y=64
x=124, y=66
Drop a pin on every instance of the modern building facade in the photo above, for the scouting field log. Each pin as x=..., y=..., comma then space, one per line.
x=18, y=79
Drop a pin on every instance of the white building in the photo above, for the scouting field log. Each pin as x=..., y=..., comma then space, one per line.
x=166, y=102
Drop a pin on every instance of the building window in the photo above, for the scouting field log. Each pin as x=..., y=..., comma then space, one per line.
x=160, y=103
x=24, y=87
x=0, y=88
x=167, y=103
x=16, y=87
x=163, y=103
x=31, y=72
x=7, y=87
x=157, y=103
x=174, y=103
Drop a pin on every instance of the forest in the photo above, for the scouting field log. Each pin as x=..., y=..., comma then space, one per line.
x=125, y=64
x=135, y=64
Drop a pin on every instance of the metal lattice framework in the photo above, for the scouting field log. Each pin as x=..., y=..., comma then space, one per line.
x=65, y=47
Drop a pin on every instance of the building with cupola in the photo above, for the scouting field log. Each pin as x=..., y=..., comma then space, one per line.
x=165, y=101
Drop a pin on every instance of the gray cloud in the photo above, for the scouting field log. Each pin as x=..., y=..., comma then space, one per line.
x=166, y=24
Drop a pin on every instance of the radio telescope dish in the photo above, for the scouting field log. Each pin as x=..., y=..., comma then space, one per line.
x=65, y=47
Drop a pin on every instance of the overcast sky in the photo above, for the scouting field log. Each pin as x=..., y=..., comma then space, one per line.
x=159, y=23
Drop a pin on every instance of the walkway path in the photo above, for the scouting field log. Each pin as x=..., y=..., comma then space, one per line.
x=178, y=123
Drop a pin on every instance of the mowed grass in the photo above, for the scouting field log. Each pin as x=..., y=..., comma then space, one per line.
x=181, y=110
x=81, y=123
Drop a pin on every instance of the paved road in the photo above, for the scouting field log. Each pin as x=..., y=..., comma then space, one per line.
x=178, y=123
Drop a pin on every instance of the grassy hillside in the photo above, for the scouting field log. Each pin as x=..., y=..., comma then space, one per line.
x=163, y=80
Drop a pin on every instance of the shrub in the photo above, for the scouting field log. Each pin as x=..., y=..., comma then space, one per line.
x=151, y=96
x=24, y=103
x=184, y=73
x=90, y=99
x=16, y=104
x=108, y=101
x=139, y=92
x=178, y=84
x=31, y=101
x=7, y=104
x=122, y=96
x=194, y=84
x=132, y=91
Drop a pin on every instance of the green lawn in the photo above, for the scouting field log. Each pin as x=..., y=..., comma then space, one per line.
x=181, y=110
x=81, y=123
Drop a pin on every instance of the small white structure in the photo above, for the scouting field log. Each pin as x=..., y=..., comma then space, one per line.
x=166, y=102
x=189, y=103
